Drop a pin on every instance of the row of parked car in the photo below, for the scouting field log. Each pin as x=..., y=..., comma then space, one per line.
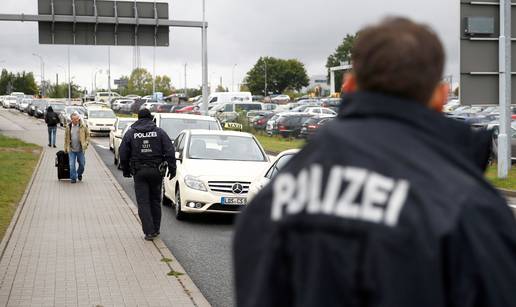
x=483, y=117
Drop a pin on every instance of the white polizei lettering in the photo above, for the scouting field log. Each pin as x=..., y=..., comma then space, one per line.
x=141, y=135
x=315, y=187
x=382, y=197
x=298, y=203
x=284, y=188
x=346, y=206
x=332, y=190
x=376, y=194
x=398, y=198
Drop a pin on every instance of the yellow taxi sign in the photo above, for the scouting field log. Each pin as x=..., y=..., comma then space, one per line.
x=233, y=126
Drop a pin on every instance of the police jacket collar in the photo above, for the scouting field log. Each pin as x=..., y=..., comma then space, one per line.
x=144, y=125
x=449, y=133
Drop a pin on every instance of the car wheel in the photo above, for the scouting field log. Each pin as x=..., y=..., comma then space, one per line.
x=165, y=201
x=180, y=215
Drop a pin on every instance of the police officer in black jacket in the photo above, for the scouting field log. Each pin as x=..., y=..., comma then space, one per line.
x=145, y=153
x=388, y=205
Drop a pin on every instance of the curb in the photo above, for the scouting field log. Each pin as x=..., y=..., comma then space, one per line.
x=14, y=221
x=185, y=281
x=507, y=193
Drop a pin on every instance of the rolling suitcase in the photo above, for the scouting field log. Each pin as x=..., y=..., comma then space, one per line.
x=63, y=165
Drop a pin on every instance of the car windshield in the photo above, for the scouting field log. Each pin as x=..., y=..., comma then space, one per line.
x=174, y=126
x=102, y=114
x=124, y=123
x=224, y=147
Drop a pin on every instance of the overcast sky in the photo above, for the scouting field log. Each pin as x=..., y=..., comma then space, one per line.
x=240, y=31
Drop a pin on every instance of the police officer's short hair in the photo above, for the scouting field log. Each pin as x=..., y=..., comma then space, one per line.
x=398, y=57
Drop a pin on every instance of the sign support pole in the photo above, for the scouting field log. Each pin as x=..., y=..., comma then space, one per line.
x=504, y=137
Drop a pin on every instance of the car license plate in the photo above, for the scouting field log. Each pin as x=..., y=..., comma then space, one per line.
x=233, y=201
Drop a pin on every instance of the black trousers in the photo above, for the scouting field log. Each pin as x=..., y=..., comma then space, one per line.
x=147, y=187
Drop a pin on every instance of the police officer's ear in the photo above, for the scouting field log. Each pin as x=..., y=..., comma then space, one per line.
x=439, y=97
x=349, y=83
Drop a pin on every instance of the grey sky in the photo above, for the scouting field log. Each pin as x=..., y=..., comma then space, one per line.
x=240, y=31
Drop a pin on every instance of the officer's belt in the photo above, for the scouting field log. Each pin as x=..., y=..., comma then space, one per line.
x=138, y=165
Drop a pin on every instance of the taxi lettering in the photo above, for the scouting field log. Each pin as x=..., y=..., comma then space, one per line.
x=350, y=192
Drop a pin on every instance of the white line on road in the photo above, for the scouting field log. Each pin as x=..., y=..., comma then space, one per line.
x=102, y=146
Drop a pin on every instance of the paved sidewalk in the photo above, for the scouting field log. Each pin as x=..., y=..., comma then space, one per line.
x=82, y=244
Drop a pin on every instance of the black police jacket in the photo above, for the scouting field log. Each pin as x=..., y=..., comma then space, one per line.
x=145, y=143
x=387, y=206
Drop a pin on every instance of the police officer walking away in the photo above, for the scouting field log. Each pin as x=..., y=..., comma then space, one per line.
x=387, y=206
x=144, y=151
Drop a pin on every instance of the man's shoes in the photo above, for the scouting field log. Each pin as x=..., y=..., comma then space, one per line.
x=73, y=181
x=156, y=234
x=49, y=145
x=149, y=237
x=80, y=178
x=54, y=146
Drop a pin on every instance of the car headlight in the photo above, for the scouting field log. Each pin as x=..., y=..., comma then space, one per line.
x=195, y=183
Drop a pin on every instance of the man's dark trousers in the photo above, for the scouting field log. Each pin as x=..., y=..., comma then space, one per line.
x=147, y=186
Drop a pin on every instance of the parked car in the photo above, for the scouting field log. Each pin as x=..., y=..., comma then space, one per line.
x=116, y=146
x=281, y=99
x=64, y=117
x=41, y=108
x=119, y=103
x=115, y=135
x=105, y=98
x=227, y=97
x=148, y=105
x=312, y=125
x=9, y=102
x=270, y=172
x=24, y=104
x=34, y=105
x=174, y=123
x=320, y=111
x=214, y=171
x=100, y=120
x=495, y=128
x=259, y=122
x=189, y=110
x=228, y=112
x=57, y=107
x=332, y=103
x=303, y=108
x=287, y=124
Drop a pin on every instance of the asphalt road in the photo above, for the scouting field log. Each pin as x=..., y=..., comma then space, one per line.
x=202, y=244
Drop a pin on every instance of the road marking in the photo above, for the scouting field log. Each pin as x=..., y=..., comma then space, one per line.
x=512, y=206
x=102, y=146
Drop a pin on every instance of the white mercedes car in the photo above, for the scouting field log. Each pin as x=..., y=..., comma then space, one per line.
x=270, y=172
x=214, y=171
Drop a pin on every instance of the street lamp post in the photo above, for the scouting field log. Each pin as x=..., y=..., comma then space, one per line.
x=265, y=90
x=95, y=80
x=233, y=78
x=186, y=64
x=204, y=60
x=42, y=73
x=69, y=80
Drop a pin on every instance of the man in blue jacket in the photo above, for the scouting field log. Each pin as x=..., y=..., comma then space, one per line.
x=143, y=151
x=388, y=205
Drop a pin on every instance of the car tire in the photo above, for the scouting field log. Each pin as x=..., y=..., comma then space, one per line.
x=165, y=201
x=180, y=215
